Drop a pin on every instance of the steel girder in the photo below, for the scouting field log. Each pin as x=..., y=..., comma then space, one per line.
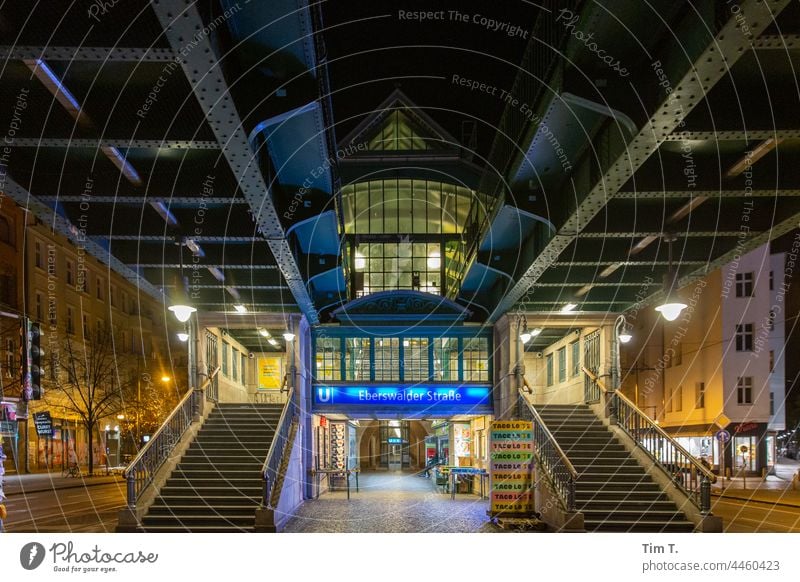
x=182, y=23
x=698, y=78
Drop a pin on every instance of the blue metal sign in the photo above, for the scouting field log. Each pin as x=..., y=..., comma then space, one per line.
x=723, y=436
x=431, y=397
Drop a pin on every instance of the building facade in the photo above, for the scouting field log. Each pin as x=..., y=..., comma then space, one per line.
x=71, y=294
x=718, y=366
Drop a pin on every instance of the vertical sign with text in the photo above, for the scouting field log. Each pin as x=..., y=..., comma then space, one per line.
x=512, y=467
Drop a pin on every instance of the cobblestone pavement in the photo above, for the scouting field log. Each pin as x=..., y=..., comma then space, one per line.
x=395, y=503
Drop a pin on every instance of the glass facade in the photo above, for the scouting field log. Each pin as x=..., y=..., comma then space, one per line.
x=410, y=359
x=408, y=234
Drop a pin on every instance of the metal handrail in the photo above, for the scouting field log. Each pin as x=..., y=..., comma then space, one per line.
x=271, y=466
x=141, y=471
x=552, y=458
x=686, y=472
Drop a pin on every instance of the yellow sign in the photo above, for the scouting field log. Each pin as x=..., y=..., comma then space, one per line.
x=270, y=372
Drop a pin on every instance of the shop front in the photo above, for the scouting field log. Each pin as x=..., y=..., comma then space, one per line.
x=748, y=448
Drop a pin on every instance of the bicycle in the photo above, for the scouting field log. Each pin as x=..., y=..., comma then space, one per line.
x=71, y=471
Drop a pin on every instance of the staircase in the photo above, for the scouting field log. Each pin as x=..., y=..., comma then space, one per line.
x=217, y=486
x=613, y=491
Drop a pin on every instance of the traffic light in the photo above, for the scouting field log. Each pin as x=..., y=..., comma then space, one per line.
x=31, y=360
x=35, y=361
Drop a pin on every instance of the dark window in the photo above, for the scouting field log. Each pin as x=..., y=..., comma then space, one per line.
x=700, y=395
x=225, y=350
x=562, y=364
x=744, y=284
x=772, y=404
x=576, y=358
x=70, y=320
x=6, y=233
x=549, y=369
x=744, y=337
x=744, y=390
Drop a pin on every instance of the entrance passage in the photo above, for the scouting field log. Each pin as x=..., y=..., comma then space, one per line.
x=393, y=502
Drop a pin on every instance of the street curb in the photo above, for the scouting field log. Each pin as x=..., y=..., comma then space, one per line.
x=751, y=499
x=72, y=486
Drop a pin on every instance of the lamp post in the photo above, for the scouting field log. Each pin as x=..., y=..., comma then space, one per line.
x=183, y=311
x=622, y=335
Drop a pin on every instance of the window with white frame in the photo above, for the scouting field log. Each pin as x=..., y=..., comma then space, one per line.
x=744, y=390
x=744, y=337
x=744, y=284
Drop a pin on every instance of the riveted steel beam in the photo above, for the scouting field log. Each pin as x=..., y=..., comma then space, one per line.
x=166, y=238
x=742, y=247
x=777, y=42
x=682, y=234
x=595, y=264
x=64, y=227
x=120, y=143
x=139, y=200
x=186, y=33
x=698, y=78
x=226, y=266
x=734, y=135
x=86, y=53
x=659, y=194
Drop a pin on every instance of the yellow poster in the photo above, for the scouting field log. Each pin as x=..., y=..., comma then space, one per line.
x=270, y=372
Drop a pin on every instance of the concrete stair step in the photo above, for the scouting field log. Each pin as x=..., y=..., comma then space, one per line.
x=634, y=496
x=633, y=514
x=627, y=505
x=194, y=529
x=219, y=465
x=584, y=485
x=186, y=510
x=207, y=501
x=217, y=451
x=229, y=474
x=221, y=489
x=638, y=526
x=615, y=477
x=609, y=470
x=206, y=519
x=234, y=483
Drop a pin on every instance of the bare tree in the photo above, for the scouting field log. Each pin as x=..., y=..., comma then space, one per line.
x=89, y=381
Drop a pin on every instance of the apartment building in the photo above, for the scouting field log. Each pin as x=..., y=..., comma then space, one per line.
x=720, y=365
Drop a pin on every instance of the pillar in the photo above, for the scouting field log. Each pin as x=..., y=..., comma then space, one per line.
x=303, y=363
x=508, y=368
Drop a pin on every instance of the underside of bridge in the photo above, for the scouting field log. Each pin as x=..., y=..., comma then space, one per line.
x=254, y=134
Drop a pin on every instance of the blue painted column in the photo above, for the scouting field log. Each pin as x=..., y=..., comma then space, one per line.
x=304, y=363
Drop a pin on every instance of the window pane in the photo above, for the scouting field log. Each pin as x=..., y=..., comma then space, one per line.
x=445, y=359
x=476, y=360
x=415, y=364
x=387, y=359
x=329, y=358
x=356, y=359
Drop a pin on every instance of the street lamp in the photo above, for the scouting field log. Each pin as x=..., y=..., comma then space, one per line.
x=622, y=335
x=673, y=305
x=165, y=379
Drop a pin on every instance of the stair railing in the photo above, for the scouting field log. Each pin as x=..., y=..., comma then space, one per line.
x=552, y=459
x=140, y=473
x=270, y=471
x=684, y=469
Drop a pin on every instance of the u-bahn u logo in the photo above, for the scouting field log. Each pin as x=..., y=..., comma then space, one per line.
x=324, y=394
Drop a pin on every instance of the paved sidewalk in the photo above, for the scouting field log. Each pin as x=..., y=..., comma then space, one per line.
x=779, y=488
x=37, y=482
